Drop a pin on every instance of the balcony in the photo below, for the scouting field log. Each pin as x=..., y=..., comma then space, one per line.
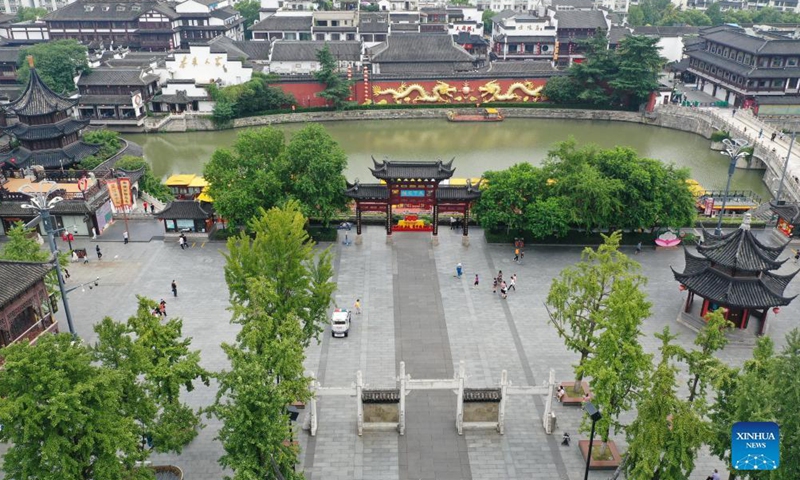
x=744, y=90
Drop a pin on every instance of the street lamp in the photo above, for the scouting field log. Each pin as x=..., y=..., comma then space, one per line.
x=733, y=149
x=595, y=415
x=40, y=201
x=785, y=166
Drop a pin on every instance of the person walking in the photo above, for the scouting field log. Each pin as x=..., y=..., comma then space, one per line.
x=512, y=285
x=477, y=281
x=503, y=290
x=144, y=204
x=162, y=308
x=182, y=242
x=357, y=306
x=494, y=285
x=125, y=237
x=516, y=255
x=638, y=248
x=772, y=137
x=459, y=270
x=99, y=253
x=714, y=476
x=152, y=209
x=499, y=276
x=174, y=288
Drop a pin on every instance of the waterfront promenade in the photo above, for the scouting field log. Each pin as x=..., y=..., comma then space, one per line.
x=416, y=310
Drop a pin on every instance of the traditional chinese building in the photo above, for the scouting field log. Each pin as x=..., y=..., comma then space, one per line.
x=413, y=185
x=788, y=217
x=26, y=308
x=47, y=132
x=736, y=273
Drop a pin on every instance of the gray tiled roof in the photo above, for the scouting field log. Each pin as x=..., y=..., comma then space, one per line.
x=420, y=47
x=17, y=277
x=38, y=99
x=238, y=49
x=666, y=31
x=779, y=100
x=405, y=27
x=467, y=37
x=588, y=4
x=369, y=22
x=591, y=19
x=741, y=250
x=524, y=66
x=749, y=43
x=403, y=17
x=618, y=33
x=116, y=76
x=119, y=11
x=283, y=23
x=425, y=68
x=458, y=192
x=104, y=100
x=186, y=209
x=67, y=207
x=388, y=169
x=69, y=155
x=47, y=131
x=9, y=54
x=367, y=191
x=224, y=13
x=290, y=51
x=525, y=38
x=727, y=64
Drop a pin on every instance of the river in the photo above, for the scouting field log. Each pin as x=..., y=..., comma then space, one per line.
x=477, y=147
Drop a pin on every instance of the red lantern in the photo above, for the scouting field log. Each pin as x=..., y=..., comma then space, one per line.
x=681, y=287
x=776, y=310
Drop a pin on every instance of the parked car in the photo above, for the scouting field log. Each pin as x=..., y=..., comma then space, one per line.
x=340, y=322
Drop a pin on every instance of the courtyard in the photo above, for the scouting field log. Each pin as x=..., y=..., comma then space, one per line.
x=415, y=310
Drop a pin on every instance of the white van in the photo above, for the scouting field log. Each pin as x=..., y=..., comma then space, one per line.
x=340, y=322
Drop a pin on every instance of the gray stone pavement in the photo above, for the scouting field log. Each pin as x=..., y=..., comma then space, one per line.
x=488, y=333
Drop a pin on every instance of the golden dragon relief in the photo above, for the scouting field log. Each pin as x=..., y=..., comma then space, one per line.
x=492, y=91
x=441, y=92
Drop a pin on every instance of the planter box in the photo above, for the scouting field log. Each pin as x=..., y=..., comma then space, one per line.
x=569, y=401
x=612, y=464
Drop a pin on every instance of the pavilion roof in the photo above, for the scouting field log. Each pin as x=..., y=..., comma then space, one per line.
x=38, y=99
x=395, y=170
x=760, y=290
x=17, y=277
x=458, y=192
x=740, y=250
x=787, y=211
x=186, y=210
x=73, y=153
x=367, y=191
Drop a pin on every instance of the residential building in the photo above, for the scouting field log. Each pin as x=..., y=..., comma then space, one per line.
x=116, y=96
x=28, y=32
x=744, y=68
x=473, y=43
x=398, y=5
x=300, y=58
x=179, y=96
x=575, y=26
x=8, y=65
x=433, y=20
x=513, y=5
x=199, y=22
x=334, y=26
x=569, y=5
x=283, y=25
x=420, y=53
x=404, y=22
x=26, y=307
x=47, y=133
x=373, y=27
x=520, y=36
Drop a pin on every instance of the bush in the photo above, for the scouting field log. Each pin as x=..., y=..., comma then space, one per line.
x=90, y=163
x=108, y=140
x=322, y=234
x=147, y=183
x=573, y=237
x=720, y=135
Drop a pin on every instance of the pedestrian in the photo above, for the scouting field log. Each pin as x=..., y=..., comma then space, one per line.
x=477, y=281
x=145, y=207
x=99, y=253
x=162, y=308
x=459, y=270
x=494, y=285
x=182, y=242
x=760, y=133
x=503, y=290
x=157, y=311
x=152, y=208
x=357, y=306
x=452, y=223
x=733, y=112
x=796, y=255
x=638, y=248
x=516, y=255
x=125, y=237
x=772, y=137
x=500, y=276
x=565, y=439
x=714, y=476
x=174, y=288
x=513, y=283
x=560, y=392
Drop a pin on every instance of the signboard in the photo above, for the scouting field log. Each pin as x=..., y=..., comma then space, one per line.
x=755, y=446
x=114, y=193
x=125, y=191
x=412, y=193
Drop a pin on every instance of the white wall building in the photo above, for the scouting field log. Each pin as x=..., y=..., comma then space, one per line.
x=202, y=66
x=300, y=57
x=182, y=96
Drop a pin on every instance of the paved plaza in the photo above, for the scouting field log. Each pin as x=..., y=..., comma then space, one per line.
x=415, y=310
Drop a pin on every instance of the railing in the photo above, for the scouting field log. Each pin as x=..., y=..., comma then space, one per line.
x=45, y=325
x=736, y=195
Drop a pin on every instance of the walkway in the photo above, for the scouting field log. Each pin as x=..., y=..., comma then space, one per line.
x=431, y=448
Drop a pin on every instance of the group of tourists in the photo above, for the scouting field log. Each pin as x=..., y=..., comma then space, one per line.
x=161, y=308
x=504, y=287
x=456, y=223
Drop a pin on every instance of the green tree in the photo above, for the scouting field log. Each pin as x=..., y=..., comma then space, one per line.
x=704, y=366
x=279, y=295
x=618, y=365
x=155, y=363
x=61, y=415
x=639, y=64
x=636, y=16
x=57, y=63
x=787, y=364
x=664, y=438
x=337, y=89
x=594, y=73
x=249, y=10
x=22, y=246
x=714, y=13
x=108, y=140
x=281, y=252
x=486, y=18
x=243, y=180
x=579, y=301
x=224, y=111
x=147, y=182
x=562, y=90
x=311, y=171
x=26, y=14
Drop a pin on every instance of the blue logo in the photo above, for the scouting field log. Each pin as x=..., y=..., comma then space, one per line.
x=755, y=446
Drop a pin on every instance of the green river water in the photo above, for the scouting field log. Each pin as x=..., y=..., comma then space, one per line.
x=477, y=147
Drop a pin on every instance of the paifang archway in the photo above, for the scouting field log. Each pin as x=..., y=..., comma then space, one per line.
x=413, y=184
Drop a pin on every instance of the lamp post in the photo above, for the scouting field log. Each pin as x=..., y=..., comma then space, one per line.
x=733, y=149
x=595, y=415
x=40, y=201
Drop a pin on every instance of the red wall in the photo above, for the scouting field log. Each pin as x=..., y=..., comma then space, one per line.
x=458, y=91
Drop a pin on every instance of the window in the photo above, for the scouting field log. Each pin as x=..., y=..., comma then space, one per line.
x=320, y=37
x=120, y=8
x=747, y=59
x=739, y=57
x=88, y=8
x=106, y=8
x=335, y=36
x=136, y=8
x=762, y=83
x=778, y=83
x=792, y=83
x=727, y=75
x=791, y=62
x=776, y=62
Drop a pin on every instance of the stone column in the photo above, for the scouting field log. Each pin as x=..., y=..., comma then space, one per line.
x=389, y=223
x=465, y=236
x=435, y=236
x=359, y=240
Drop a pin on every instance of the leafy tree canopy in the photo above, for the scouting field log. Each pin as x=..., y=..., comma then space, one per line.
x=249, y=9
x=108, y=140
x=25, y=14
x=249, y=98
x=337, y=89
x=57, y=63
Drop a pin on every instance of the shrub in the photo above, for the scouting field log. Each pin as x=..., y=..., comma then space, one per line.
x=108, y=140
x=720, y=135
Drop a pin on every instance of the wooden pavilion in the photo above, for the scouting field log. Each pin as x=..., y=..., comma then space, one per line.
x=736, y=273
x=413, y=185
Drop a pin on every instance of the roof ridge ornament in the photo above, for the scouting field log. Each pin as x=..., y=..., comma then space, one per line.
x=30, y=61
x=746, y=222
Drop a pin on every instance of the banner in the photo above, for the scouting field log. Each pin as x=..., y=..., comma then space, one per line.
x=125, y=191
x=114, y=193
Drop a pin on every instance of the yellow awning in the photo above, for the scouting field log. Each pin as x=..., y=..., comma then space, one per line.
x=182, y=180
x=204, y=197
x=491, y=111
x=198, y=182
